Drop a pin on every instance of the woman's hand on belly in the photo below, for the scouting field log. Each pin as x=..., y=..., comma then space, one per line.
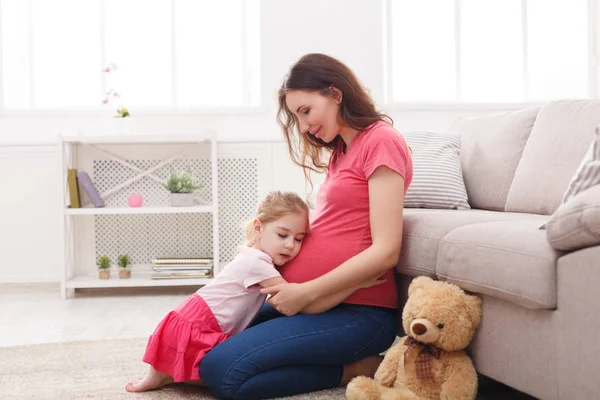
x=288, y=298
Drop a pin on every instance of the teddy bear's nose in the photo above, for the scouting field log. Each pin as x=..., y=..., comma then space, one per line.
x=419, y=329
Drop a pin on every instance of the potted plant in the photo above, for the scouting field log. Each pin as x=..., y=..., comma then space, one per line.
x=181, y=187
x=124, y=266
x=104, y=267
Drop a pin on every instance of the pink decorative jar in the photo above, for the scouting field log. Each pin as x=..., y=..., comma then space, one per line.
x=135, y=200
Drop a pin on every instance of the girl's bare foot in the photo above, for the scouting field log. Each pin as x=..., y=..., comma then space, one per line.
x=154, y=380
x=365, y=367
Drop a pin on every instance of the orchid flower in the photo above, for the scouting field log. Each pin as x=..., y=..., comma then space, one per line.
x=122, y=112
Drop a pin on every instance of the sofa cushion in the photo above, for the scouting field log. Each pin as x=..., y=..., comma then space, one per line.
x=560, y=137
x=424, y=228
x=509, y=260
x=576, y=224
x=437, y=174
x=492, y=146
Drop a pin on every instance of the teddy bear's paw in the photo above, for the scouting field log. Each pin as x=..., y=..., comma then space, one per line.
x=399, y=393
x=362, y=388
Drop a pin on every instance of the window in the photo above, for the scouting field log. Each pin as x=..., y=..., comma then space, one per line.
x=169, y=53
x=489, y=51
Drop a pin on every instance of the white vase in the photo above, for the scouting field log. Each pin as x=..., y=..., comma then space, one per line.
x=181, y=199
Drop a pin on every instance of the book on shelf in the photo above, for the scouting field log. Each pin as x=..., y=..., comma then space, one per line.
x=74, y=196
x=182, y=268
x=180, y=274
x=86, y=183
x=183, y=261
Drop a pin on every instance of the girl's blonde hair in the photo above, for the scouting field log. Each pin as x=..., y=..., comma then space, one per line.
x=274, y=206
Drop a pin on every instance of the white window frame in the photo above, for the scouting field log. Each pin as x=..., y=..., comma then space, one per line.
x=246, y=108
x=390, y=104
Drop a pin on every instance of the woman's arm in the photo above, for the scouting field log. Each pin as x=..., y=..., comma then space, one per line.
x=386, y=199
x=328, y=302
x=323, y=304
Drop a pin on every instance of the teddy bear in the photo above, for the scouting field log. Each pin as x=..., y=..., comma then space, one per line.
x=429, y=363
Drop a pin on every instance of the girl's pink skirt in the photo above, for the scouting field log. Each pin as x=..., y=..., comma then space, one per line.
x=182, y=339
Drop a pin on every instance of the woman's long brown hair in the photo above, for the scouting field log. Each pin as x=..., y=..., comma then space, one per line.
x=319, y=73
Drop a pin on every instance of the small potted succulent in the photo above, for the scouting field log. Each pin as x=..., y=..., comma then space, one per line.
x=181, y=187
x=124, y=266
x=104, y=267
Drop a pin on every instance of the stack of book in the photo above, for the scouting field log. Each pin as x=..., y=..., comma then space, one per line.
x=181, y=268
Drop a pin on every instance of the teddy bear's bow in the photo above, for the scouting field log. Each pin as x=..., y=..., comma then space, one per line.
x=426, y=352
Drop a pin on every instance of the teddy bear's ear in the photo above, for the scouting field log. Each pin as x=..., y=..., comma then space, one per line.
x=473, y=306
x=418, y=283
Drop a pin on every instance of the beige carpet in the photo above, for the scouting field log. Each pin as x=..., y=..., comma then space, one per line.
x=91, y=370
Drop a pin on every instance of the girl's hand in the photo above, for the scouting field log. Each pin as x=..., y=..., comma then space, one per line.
x=287, y=298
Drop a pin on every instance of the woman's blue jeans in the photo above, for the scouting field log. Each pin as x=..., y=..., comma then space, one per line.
x=283, y=356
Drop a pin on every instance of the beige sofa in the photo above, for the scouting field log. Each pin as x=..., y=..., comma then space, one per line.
x=540, y=332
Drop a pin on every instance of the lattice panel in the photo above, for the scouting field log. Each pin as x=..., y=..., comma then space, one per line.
x=238, y=196
x=144, y=237
x=108, y=173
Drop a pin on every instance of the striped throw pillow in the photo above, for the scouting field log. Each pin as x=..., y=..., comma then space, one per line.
x=437, y=173
x=588, y=173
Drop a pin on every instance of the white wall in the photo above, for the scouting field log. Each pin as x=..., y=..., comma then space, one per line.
x=29, y=215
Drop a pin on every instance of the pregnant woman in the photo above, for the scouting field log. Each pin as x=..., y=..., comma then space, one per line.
x=296, y=345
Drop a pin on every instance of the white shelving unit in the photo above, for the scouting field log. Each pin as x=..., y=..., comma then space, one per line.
x=77, y=224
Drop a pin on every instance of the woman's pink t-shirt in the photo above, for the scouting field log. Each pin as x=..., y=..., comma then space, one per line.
x=340, y=225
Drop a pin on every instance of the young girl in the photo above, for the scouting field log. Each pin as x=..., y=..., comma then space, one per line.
x=232, y=300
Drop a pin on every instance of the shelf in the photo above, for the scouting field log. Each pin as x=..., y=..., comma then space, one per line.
x=138, y=279
x=81, y=236
x=138, y=210
x=136, y=139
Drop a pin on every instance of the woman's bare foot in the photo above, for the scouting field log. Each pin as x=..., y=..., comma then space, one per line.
x=154, y=380
x=365, y=367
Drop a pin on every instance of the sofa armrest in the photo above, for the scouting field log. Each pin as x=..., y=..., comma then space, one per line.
x=578, y=324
